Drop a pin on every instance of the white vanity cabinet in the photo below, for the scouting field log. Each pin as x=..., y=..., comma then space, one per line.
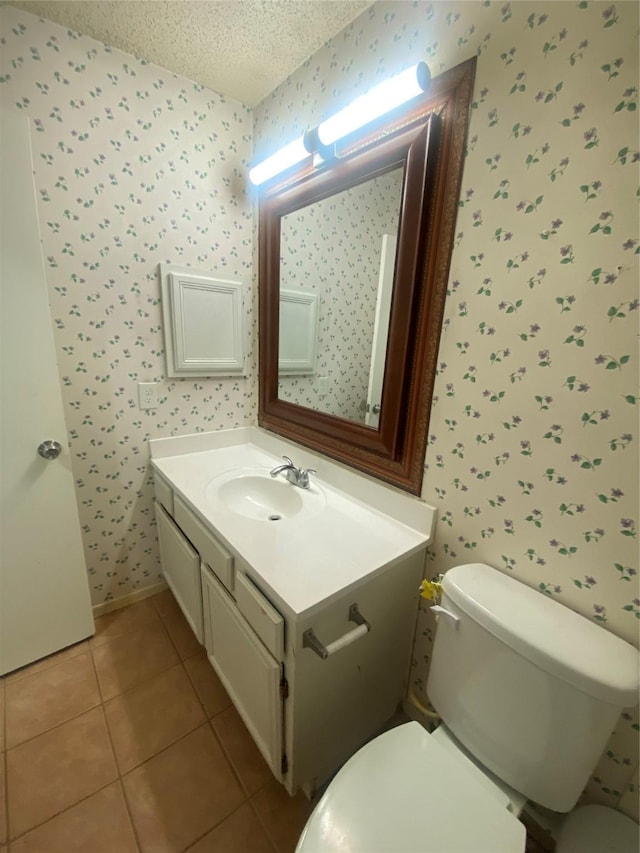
x=181, y=569
x=312, y=685
x=251, y=675
x=244, y=640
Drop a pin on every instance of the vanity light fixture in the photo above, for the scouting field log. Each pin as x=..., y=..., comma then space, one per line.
x=373, y=104
x=283, y=159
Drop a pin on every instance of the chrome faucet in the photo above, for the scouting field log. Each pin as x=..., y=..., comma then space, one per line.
x=298, y=476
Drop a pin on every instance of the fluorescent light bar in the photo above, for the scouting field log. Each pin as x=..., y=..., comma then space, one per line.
x=283, y=159
x=378, y=101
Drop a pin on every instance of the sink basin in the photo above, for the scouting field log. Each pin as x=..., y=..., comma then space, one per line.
x=255, y=494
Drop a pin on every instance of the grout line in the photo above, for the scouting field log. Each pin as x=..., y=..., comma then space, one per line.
x=129, y=814
x=61, y=812
x=200, y=837
x=54, y=659
x=119, y=779
x=115, y=758
x=262, y=823
x=164, y=668
x=59, y=725
x=227, y=757
x=98, y=640
x=3, y=758
x=197, y=692
x=62, y=722
x=95, y=672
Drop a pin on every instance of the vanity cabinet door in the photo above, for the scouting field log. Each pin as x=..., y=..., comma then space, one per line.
x=181, y=569
x=210, y=549
x=249, y=673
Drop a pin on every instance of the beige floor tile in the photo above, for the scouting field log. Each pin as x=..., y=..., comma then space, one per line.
x=50, y=660
x=282, y=816
x=152, y=716
x=57, y=769
x=182, y=636
x=3, y=799
x=38, y=702
x=124, y=621
x=166, y=604
x=208, y=686
x=99, y=824
x=241, y=832
x=125, y=661
x=182, y=793
x=241, y=750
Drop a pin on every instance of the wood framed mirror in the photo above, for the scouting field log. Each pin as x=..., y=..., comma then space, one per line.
x=399, y=182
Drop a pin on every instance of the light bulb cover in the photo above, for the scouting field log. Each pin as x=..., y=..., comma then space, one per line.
x=376, y=102
x=292, y=153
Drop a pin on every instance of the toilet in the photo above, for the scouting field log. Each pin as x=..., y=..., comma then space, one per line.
x=528, y=693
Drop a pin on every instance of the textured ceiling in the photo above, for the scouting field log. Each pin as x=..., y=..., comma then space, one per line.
x=241, y=48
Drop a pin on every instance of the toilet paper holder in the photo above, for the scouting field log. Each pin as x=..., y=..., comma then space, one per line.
x=310, y=641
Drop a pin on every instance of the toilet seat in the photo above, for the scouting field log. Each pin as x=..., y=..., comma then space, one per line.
x=405, y=791
x=597, y=829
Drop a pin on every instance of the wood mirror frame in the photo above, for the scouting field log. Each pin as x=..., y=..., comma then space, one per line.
x=428, y=141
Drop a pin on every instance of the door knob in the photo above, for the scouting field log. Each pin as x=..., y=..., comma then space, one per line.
x=50, y=449
x=375, y=408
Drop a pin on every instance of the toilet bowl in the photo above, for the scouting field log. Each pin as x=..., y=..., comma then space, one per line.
x=598, y=829
x=440, y=802
x=408, y=791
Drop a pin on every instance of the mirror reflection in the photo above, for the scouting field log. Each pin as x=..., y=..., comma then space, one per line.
x=336, y=282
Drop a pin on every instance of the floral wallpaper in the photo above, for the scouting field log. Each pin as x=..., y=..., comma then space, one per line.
x=533, y=450
x=347, y=229
x=133, y=166
x=532, y=458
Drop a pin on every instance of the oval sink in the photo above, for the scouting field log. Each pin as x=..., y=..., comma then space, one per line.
x=257, y=495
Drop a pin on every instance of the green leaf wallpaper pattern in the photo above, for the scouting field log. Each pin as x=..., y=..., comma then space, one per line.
x=133, y=166
x=533, y=450
x=532, y=458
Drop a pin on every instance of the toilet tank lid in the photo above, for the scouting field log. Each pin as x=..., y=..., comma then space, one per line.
x=557, y=639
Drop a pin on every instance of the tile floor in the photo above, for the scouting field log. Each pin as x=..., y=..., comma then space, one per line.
x=128, y=742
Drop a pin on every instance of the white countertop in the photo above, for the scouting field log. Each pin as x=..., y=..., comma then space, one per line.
x=306, y=560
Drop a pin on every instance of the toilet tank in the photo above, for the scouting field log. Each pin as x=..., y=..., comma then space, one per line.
x=531, y=688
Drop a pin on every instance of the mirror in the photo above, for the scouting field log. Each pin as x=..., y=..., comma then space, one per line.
x=333, y=250
x=367, y=237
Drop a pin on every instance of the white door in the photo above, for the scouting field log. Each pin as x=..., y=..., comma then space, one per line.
x=381, y=329
x=44, y=589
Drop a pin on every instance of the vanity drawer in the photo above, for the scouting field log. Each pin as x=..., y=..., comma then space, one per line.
x=164, y=493
x=212, y=552
x=261, y=615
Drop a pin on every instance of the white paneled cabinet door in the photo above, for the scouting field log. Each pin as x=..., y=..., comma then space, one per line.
x=249, y=673
x=181, y=569
x=44, y=590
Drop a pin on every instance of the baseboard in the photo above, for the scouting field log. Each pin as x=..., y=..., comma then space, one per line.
x=131, y=598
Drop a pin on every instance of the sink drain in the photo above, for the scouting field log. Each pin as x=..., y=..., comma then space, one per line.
x=275, y=517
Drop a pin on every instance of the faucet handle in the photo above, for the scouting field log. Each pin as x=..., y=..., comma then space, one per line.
x=288, y=461
x=303, y=477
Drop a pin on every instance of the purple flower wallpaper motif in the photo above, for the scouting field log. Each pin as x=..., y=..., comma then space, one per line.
x=532, y=460
x=133, y=166
x=535, y=411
